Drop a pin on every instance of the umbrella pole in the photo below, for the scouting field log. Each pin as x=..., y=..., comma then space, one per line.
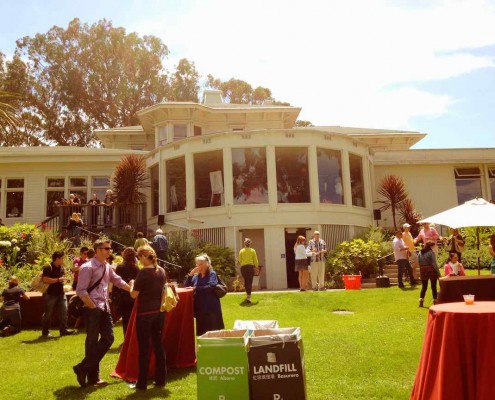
x=478, y=243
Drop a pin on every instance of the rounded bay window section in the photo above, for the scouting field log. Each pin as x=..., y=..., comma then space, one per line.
x=357, y=181
x=208, y=179
x=292, y=175
x=330, y=176
x=176, y=184
x=250, y=182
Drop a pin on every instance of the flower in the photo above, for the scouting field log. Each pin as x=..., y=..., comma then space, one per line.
x=13, y=241
x=5, y=243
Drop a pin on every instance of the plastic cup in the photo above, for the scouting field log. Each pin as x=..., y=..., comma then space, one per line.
x=469, y=299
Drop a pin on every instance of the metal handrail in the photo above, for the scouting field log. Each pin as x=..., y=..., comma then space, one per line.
x=123, y=245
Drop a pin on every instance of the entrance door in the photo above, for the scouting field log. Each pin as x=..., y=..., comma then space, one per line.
x=257, y=237
x=290, y=260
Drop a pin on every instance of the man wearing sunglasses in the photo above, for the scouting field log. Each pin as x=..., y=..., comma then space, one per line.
x=96, y=274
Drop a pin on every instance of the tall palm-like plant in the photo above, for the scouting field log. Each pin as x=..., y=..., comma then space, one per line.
x=392, y=189
x=409, y=214
x=129, y=180
x=7, y=111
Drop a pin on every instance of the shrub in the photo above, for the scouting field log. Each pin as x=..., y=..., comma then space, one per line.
x=354, y=257
x=222, y=259
x=181, y=251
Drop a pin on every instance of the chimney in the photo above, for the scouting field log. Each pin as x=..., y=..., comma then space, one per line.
x=212, y=96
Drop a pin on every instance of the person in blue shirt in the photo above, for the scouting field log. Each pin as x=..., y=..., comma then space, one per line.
x=160, y=245
x=207, y=307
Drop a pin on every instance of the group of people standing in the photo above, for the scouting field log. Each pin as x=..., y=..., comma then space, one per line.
x=407, y=258
x=310, y=261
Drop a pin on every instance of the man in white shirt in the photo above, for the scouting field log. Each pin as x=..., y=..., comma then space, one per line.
x=401, y=258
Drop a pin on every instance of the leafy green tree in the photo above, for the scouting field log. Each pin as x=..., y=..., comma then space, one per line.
x=393, y=190
x=90, y=77
x=184, y=83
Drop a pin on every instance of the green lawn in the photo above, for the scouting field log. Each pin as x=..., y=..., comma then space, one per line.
x=371, y=354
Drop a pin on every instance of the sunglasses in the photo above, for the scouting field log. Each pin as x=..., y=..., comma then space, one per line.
x=105, y=248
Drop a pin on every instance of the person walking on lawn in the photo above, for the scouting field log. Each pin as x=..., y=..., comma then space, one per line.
x=97, y=315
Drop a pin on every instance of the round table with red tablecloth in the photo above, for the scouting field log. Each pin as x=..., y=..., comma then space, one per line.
x=178, y=340
x=457, y=361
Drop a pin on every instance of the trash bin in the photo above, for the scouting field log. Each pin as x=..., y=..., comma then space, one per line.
x=276, y=364
x=352, y=282
x=222, y=368
x=255, y=324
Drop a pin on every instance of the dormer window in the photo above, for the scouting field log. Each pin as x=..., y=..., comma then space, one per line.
x=180, y=131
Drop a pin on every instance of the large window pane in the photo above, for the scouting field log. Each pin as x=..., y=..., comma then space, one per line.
x=176, y=184
x=15, y=204
x=249, y=174
x=468, y=183
x=491, y=174
x=208, y=179
x=78, y=182
x=357, y=183
x=330, y=176
x=155, y=189
x=292, y=175
x=53, y=198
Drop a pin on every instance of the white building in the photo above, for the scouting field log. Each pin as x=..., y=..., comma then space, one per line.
x=230, y=171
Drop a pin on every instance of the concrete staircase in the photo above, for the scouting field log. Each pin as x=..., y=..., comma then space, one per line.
x=391, y=271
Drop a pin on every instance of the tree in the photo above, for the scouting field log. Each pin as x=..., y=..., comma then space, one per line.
x=392, y=189
x=90, y=77
x=129, y=180
x=7, y=111
x=409, y=214
x=184, y=84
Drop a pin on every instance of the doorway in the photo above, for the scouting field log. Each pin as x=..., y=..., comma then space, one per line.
x=291, y=235
x=257, y=237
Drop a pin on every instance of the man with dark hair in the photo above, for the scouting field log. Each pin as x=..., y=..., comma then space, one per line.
x=78, y=262
x=92, y=288
x=54, y=298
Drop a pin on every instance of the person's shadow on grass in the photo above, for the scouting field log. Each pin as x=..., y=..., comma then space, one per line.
x=244, y=303
x=41, y=339
x=77, y=392
x=151, y=393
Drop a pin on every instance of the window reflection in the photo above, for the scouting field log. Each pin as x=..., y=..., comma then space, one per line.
x=155, y=189
x=292, y=175
x=330, y=176
x=249, y=176
x=357, y=183
x=208, y=179
x=176, y=184
x=468, y=183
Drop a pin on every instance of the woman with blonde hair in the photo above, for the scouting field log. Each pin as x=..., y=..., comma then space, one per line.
x=148, y=288
x=207, y=307
x=301, y=255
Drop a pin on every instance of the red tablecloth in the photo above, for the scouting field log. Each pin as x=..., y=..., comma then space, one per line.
x=178, y=339
x=458, y=356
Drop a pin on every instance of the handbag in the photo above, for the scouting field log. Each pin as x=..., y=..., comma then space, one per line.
x=220, y=288
x=38, y=284
x=76, y=305
x=170, y=298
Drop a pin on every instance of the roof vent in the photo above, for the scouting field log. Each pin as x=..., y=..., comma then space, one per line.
x=212, y=96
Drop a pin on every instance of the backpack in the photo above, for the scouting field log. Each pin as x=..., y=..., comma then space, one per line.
x=38, y=285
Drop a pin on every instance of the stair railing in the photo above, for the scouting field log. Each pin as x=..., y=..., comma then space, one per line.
x=381, y=261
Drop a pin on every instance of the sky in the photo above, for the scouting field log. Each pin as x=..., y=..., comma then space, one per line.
x=417, y=65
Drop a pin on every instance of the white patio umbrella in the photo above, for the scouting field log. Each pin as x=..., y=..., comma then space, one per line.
x=473, y=213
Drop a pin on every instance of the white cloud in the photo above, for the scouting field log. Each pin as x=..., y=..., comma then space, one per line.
x=350, y=63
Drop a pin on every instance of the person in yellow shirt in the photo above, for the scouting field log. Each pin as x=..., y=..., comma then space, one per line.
x=409, y=241
x=249, y=266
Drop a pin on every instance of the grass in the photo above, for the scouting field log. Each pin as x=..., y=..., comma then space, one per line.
x=371, y=354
